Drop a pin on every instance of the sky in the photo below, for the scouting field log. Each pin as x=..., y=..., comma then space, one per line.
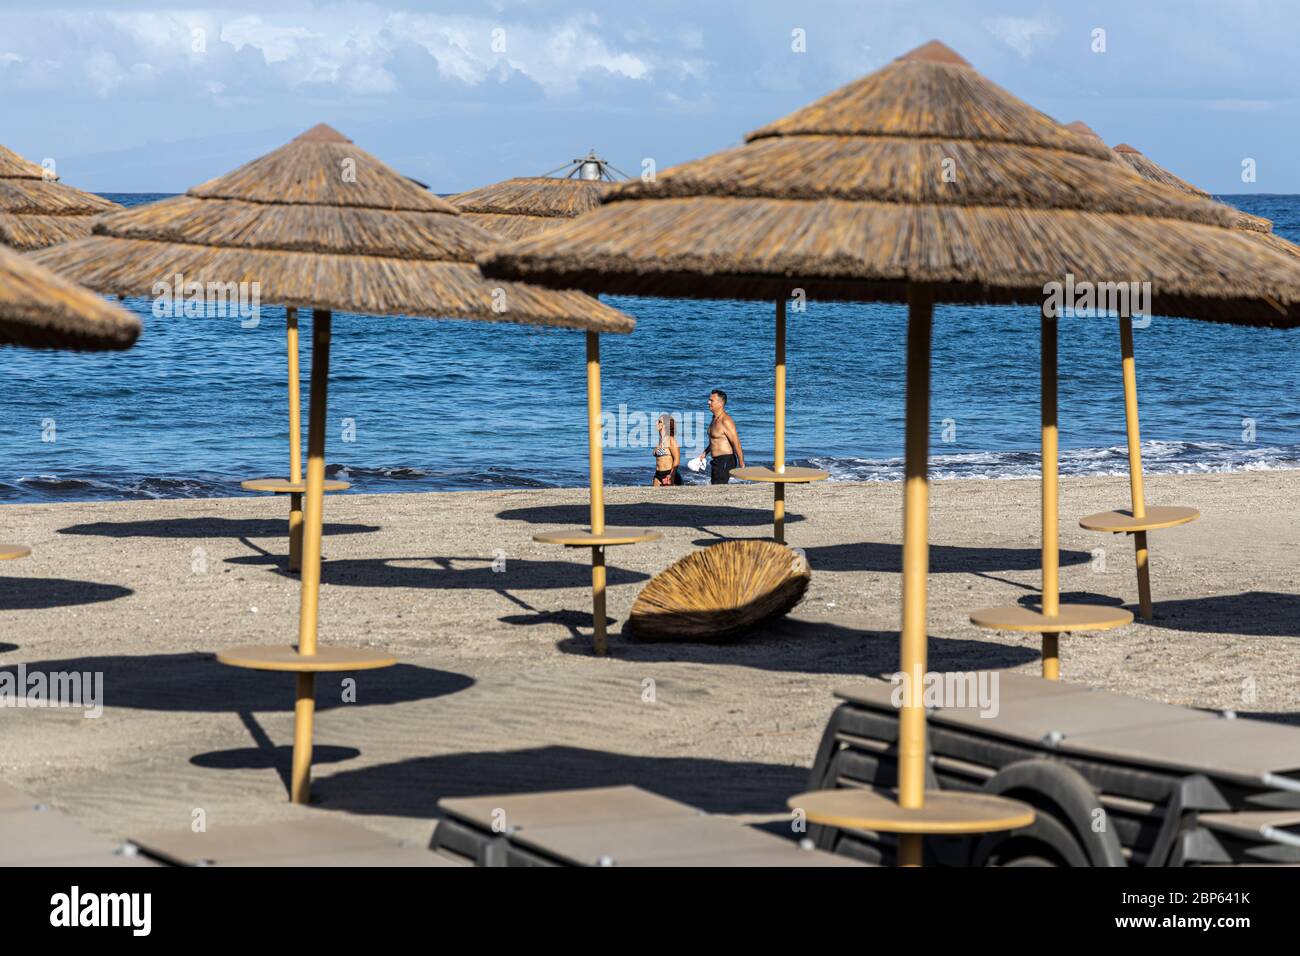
x=156, y=97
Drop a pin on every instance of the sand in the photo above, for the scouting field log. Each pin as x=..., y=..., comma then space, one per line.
x=497, y=690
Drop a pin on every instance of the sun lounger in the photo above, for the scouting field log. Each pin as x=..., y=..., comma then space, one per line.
x=32, y=834
x=1118, y=781
x=322, y=840
x=608, y=826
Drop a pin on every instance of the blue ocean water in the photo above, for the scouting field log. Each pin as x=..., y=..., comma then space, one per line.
x=419, y=405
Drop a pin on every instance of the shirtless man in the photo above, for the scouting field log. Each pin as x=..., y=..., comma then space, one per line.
x=724, y=442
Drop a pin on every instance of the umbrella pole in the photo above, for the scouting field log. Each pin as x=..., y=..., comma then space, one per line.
x=778, y=488
x=295, y=441
x=1051, y=556
x=916, y=565
x=1135, y=463
x=305, y=707
x=596, y=454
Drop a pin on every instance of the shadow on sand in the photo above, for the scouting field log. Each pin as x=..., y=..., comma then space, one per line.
x=1253, y=613
x=944, y=559
x=412, y=788
x=802, y=645
x=267, y=756
x=27, y=594
x=440, y=573
x=648, y=514
x=196, y=683
x=204, y=527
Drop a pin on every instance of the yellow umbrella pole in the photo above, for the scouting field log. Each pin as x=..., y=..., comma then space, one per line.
x=1135, y=463
x=1051, y=554
x=596, y=454
x=305, y=707
x=916, y=564
x=778, y=459
x=295, y=441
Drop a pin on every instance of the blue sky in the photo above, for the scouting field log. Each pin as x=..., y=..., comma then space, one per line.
x=157, y=96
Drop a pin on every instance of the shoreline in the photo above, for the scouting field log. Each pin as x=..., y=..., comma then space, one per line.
x=496, y=689
x=390, y=483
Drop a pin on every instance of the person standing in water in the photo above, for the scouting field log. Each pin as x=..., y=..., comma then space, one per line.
x=724, y=441
x=668, y=454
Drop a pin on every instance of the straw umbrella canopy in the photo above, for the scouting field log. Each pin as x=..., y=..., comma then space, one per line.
x=1139, y=519
x=318, y=223
x=526, y=205
x=923, y=182
x=39, y=310
x=36, y=210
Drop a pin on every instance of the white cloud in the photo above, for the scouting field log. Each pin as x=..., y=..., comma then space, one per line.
x=103, y=72
x=277, y=44
x=1022, y=34
x=347, y=45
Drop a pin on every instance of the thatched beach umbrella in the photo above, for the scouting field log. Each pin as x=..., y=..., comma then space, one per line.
x=39, y=310
x=37, y=210
x=923, y=182
x=1138, y=519
x=321, y=224
x=526, y=205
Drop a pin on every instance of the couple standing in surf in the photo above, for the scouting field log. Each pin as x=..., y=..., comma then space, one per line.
x=724, y=446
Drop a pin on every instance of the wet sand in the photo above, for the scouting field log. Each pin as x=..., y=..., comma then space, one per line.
x=497, y=689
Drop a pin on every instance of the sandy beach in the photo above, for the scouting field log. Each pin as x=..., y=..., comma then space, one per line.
x=497, y=689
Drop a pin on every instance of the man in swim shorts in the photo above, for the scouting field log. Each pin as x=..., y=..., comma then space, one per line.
x=724, y=441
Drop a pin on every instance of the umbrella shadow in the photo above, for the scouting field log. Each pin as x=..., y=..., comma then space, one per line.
x=197, y=683
x=647, y=514
x=806, y=645
x=1252, y=613
x=30, y=594
x=204, y=527
x=1035, y=599
x=882, y=557
x=413, y=787
x=266, y=755
x=439, y=573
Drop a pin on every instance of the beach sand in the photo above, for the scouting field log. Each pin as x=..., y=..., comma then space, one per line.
x=497, y=689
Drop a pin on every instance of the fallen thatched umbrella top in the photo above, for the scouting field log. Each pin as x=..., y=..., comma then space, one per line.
x=526, y=205
x=320, y=223
x=40, y=310
x=36, y=210
x=922, y=172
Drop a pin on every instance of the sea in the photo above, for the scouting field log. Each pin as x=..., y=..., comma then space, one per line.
x=200, y=404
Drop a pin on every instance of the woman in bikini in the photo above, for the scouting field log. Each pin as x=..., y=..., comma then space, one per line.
x=667, y=454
